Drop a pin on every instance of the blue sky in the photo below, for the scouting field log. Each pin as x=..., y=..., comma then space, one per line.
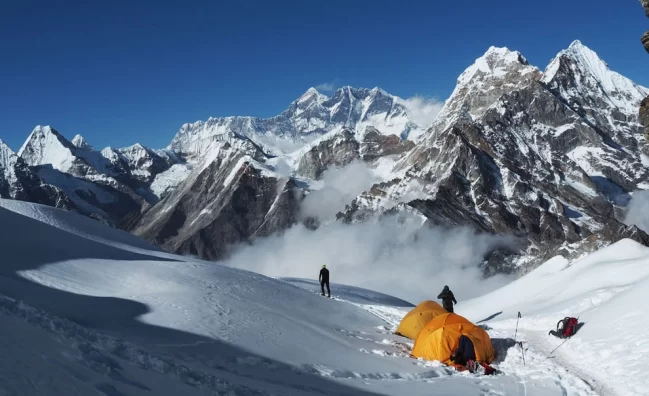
x=122, y=72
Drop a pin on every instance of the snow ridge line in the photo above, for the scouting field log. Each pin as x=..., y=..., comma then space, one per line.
x=95, y=347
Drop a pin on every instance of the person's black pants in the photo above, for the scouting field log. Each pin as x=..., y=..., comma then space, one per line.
x=449, y=309
x=322, y=285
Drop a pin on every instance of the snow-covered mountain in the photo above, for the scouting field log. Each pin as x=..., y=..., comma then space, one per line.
x=306, y=119
x=112, y=185
x=87, y=309
x=550, y=156
x=17, y=181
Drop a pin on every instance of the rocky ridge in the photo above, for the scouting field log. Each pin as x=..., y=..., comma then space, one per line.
x=549, y=156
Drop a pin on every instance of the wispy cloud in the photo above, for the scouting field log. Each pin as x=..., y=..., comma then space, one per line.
x=328, y=86
x=340, y=186
x=423, y=110
x=638, y=213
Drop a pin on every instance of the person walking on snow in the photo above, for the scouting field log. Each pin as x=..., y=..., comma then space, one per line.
x=448, y=299
x=324, y=280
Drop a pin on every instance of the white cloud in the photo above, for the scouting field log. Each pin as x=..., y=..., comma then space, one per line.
x=638, y=213
x=421, y=110
x=340, y=187
x=327, y=86
x=390, y=256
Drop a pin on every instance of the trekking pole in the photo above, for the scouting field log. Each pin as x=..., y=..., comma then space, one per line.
x=522, y=352
x=558, y=347
x=516, y=333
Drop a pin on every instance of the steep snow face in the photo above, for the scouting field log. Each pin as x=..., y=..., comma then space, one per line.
x=91, y=315
x=592, y=76
x=7, y=158
x=307, y=118
x=602, y=289
x=603, y=97
x=46, y=146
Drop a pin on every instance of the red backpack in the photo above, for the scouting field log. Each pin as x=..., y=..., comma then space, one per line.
x=567, y=326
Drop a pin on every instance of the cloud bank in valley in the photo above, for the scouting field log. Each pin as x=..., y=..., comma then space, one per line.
x=400, y=259
x=340, y=185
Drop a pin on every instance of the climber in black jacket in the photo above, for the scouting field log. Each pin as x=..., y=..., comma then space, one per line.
x=448, y=299
x=324, y=280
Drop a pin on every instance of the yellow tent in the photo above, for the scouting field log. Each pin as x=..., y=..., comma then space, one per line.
x=440, y=338
x=416, y=319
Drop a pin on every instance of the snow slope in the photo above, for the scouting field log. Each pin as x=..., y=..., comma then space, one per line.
x=606, y=290
x=89, y=311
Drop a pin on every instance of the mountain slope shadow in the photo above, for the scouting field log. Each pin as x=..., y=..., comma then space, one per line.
x=195, y=360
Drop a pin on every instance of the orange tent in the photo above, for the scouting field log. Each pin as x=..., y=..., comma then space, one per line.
x=440, y=338
x=416, y=319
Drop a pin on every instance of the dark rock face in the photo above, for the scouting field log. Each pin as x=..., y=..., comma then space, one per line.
x=376, y=145
x=644, y=119
x=644, y=112
x=228, y=202
x=549, y=160
x=547, y=157
x=339, y=150
x=28, y=187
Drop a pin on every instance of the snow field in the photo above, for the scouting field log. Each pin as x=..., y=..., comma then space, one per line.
x=92, y=310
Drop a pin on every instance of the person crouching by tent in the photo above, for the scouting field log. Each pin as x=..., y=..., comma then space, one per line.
x=465, y=356
x=447, y=299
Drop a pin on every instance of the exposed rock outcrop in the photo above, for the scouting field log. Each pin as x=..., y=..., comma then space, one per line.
x=549, y=157
x=338, y=150
x=229, y=200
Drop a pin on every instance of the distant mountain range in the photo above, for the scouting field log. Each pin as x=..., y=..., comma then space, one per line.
x=550, y=156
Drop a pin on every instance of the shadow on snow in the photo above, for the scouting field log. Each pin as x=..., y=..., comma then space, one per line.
x=196, y=360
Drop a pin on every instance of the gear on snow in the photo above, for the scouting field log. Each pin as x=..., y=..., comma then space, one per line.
x=566, y=327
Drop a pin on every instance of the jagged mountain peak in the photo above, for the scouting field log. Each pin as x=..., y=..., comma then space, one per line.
x=311, y=95
x=7, y=155
x=4, y=146
x=45, y=145
x=80, y=142
x=310, y=116
x=580, y=74
x=499, y=70
x=582, y=56
x=135, y=147
x=495, y=63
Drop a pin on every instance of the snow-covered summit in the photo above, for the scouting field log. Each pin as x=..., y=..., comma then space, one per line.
x=311, y=95
x=45, y=145
x=312, y=115
x=80, y=142
x=497, y=61
x=578, y=71
x=497, y=71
